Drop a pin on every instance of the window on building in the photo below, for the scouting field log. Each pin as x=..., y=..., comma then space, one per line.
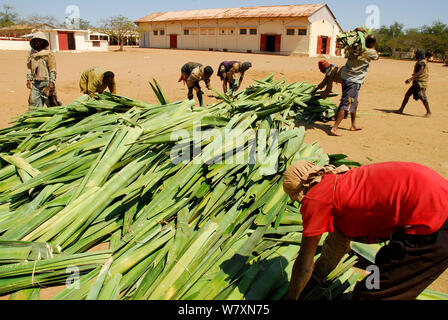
x=106, y=38
x=96, y=44
x=290, y=32
x=162, y=32
x=302, y=32
x=243, y=31
x=253, y=31
x=156, y=32
x=186, y=32
x=94, y=37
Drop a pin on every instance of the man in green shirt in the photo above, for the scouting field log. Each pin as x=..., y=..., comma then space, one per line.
x=96, y=80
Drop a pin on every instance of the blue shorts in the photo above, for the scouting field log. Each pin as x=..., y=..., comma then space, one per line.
x=350, y=94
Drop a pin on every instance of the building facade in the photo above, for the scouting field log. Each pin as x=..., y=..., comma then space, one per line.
x=296, y=29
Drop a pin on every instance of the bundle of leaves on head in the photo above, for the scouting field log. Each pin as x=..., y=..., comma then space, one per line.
x=354, y=40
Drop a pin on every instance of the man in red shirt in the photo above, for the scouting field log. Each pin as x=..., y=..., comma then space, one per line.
x=404, y=203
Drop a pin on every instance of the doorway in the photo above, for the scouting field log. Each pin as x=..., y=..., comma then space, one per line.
x=66, y=41
x=323, y=45
x=270, y=43
x=173, y=41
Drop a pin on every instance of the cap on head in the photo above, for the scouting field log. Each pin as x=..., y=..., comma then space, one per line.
x=208, y=71
x=39, y=37
x=323, y=65
x=246, y=65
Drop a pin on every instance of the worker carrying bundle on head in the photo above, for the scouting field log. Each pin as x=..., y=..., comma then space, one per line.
x=332, y=74
x=228, y=71
x=404, y=203
x=419, y=81
x=96, y=80
x=353, y=75
x=191, y=74
x=41, y=75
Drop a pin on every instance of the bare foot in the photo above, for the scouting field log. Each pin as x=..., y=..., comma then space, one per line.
x=355, y=129
x=334, y=133
x=428, y=115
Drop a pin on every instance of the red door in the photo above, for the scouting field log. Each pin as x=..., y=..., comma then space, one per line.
x=278, y=43
x=319, y=45
x=328, y=45
x=264, y=39
x=63, y=40
x=173, y=41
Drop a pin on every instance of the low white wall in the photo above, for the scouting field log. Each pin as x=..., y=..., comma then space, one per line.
x=17, y=44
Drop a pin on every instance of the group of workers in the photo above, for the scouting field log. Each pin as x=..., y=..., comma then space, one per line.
x=402, y=204
x=41, y=77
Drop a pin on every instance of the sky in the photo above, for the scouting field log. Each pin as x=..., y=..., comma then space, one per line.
x=349, y=13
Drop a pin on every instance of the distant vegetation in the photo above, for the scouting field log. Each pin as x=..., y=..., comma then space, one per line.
x=433, y=39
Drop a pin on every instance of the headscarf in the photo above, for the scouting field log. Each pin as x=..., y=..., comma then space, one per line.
x=303, y=175
x=323, y=65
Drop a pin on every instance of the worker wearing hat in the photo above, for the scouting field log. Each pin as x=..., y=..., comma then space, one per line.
x=332, y=74
x=191, y=74
x=97, y=80
x=227, y=72
x=403, y=203
x=419, y=81
x=41, y=75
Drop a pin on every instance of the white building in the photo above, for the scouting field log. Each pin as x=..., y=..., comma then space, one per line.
x=292, y=29
x=61, y=40
x=77, y=40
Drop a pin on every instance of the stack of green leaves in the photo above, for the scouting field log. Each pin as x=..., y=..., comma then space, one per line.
x=185, y=214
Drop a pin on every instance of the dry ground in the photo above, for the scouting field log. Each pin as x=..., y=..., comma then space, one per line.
x=385, y=136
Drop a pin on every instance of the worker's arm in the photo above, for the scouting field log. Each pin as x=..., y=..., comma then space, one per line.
x=303, y=267
x=93, y=83
x=83, y=83
x=29, y=75
x=417, y=74
x=240, y=80
x=224, y=82
x=113, y=87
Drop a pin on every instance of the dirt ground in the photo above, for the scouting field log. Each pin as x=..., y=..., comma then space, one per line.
x=385, y=136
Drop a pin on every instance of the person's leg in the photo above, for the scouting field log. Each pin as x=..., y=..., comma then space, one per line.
x=424, y=99
x=199, y=93
x=339, y=117
x=407, y=267
x=407, y=96
x=347, y=88
x=35, y=99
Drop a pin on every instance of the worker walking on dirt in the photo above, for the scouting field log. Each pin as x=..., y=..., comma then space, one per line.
x=332, y=74
x=228, y=71
x=96, y=80
x=353, y=75
x=41, y=75
x=191, y=74
x=419, y=81
x=405, y=203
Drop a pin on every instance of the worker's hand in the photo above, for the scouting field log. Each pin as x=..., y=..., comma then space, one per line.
x=52, y=86
x=408, y=81
x=29, y=84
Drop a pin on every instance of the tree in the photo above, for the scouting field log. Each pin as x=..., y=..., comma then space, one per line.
x=385, y=34
x=8, y=16
x=118, y=27
x=78, y=24
x=38, y=20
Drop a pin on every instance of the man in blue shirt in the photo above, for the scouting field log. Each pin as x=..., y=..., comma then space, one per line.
x=353, y=75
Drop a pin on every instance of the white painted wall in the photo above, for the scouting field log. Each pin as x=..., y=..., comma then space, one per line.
x=18, y=45
x=321, y=23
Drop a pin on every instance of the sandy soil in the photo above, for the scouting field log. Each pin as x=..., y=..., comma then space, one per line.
x=385, y=136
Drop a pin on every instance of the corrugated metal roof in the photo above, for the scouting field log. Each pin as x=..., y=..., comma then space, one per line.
x=230, y=13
